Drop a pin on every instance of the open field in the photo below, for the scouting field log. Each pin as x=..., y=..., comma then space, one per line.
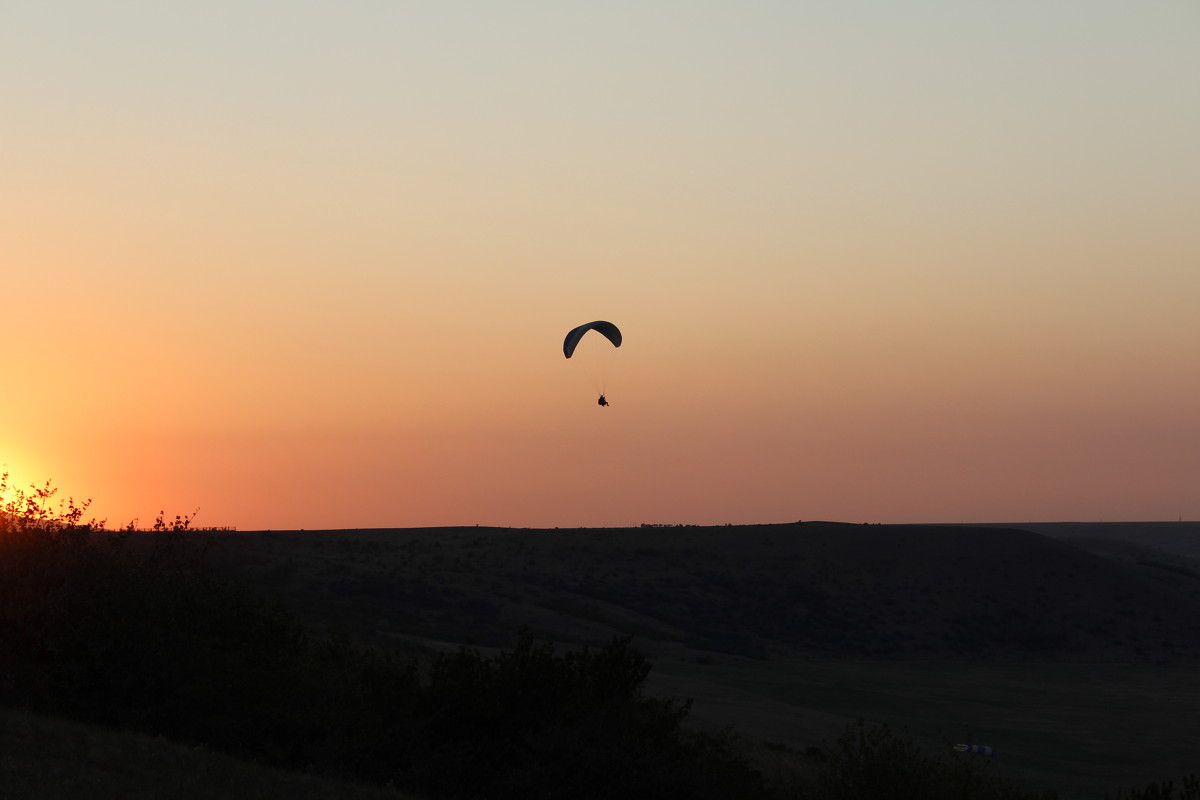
x=1075, y=661
x=1080, y=728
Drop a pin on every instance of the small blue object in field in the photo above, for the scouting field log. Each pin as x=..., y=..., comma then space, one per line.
x=975, y=748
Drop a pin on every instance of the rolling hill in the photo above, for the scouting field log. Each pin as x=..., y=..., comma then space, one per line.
x=805, y=589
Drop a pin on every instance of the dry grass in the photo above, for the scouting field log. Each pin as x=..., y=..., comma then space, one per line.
x=43, y=758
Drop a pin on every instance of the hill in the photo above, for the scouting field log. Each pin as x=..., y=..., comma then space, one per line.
x=1178, y=538
x=804, y=589
x=789, y=632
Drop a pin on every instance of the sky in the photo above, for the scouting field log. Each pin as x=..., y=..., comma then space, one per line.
x=309, y=265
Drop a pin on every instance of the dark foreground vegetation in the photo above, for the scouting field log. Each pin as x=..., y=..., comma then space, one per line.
x=48, y=758
x=138, y=632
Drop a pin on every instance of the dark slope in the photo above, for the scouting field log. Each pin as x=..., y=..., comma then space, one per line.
x=812, y=588
x=1180, y=538
x=47, y=758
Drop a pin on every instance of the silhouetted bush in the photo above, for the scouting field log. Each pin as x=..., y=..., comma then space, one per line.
x=1166, y=790
x=533, y=723
x=870, y=762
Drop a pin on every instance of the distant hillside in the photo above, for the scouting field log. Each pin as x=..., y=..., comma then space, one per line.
x=1180, y=538
x=824, y=589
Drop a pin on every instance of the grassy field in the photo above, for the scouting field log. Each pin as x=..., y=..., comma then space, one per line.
x=1083, y=729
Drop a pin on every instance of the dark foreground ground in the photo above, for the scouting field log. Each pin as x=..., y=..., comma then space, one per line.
x=44, y=758
x=1072, y=650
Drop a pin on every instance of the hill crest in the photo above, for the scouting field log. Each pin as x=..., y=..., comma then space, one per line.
x=815, y=589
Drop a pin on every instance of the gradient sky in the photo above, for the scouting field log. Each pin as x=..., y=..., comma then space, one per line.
x=306, y=264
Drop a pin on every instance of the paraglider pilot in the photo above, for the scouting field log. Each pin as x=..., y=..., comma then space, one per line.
x=602, y=401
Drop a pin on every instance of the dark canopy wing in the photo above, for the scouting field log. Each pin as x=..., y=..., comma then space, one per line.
x=609, y=331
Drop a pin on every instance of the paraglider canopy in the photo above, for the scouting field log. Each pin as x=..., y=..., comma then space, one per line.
x=607, y=329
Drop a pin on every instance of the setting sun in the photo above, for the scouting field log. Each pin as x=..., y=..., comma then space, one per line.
x=19, y=478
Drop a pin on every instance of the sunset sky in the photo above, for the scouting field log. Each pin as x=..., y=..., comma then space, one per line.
x=310, y=264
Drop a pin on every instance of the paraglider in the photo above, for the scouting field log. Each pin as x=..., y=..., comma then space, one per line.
x=605, y=329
